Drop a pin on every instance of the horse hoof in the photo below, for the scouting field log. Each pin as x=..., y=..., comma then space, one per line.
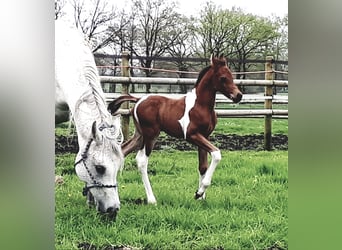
x=152, y=202
x=198, y=196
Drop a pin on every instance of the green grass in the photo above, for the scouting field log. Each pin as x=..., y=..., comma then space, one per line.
x=240, y=126
x=65, y=129
x=246, y=205
x=247, y=126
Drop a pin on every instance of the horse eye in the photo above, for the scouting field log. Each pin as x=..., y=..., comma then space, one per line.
x=100, y=169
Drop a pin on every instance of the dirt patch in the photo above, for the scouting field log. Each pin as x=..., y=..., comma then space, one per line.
x=88, y=246
x=230, y=142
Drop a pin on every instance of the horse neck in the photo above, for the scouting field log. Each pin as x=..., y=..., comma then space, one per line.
x=88, y=109
x=206, y=94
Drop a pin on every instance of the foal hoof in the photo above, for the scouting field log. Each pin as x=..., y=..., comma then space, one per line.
x=199, y=196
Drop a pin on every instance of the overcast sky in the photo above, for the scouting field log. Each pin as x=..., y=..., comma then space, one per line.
x=193, y=7
x=258, y=7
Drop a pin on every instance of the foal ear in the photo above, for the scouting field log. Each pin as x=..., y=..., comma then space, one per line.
x=213, y=59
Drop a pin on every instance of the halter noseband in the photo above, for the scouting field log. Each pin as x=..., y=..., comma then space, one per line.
x=95, y=182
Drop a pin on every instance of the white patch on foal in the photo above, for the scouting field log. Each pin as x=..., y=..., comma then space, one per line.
x=136, y=106
x=205, y=180
x=142, y=161
x=190, y=99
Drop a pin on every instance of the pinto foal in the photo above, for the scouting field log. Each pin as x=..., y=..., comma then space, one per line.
x=191, y=117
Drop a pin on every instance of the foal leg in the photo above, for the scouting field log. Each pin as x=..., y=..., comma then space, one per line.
x=202, y=169
x=204, y=144
x=142, y=161
x=206, y=181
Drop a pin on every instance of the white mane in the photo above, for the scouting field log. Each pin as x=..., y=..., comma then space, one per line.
x=77, y=80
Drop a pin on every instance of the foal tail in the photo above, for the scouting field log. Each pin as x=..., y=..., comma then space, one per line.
x=115, y=105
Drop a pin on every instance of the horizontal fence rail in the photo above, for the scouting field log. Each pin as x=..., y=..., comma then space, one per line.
x=246, y=99
x=186, y=81
x=234, y=113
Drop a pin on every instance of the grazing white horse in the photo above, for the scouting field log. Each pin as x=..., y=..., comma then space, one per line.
x=79, y=95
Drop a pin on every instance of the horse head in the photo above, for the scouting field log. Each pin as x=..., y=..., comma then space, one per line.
x=223, y=79
x=98, y=166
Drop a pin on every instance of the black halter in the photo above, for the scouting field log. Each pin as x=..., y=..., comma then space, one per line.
x=95, y=182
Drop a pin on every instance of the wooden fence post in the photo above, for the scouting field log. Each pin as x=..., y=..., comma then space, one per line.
x=125, y=90
x=268, y=104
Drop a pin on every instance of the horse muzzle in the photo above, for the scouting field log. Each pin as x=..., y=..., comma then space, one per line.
x=236, y=98
x=111, y=212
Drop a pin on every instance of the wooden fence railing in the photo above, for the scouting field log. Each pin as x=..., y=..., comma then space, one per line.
x=268, y=98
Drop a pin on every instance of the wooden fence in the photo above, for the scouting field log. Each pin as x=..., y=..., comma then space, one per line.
x=268, y=98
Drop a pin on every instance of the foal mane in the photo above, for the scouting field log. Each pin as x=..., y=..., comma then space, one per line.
x=220, y=61
x=201, y=74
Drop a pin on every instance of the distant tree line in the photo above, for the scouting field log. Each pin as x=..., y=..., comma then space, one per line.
x=156, y=28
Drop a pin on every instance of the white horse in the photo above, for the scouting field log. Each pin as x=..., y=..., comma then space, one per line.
x=79, y=93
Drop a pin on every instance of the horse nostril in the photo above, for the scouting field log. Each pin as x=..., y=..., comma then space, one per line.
x=238, y=97
x=112, y=212
x=112, y=209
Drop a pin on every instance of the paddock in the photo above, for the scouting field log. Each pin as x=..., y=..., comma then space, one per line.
x=246, y=206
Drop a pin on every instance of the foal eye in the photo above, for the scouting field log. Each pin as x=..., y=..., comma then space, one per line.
x=100, y=169
x=223, y=79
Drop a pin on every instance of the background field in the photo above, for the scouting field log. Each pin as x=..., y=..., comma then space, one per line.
x=246, y=206
x=240, y=126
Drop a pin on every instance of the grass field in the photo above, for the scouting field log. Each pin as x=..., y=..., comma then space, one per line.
x=246, y=206
x=240, y=126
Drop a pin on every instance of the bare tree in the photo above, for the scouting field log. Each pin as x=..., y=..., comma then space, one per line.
x=212, y=30
x=182, y=47
x=252, y=40
x=151, y=23
x=236, y=34
x=59, y=5
x=93, y=19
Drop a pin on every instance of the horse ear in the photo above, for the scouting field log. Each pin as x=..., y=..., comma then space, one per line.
x=94, y=132
x=221, y=56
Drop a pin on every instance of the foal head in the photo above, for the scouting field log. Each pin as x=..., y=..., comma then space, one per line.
x=100, y=162
x=223, y=79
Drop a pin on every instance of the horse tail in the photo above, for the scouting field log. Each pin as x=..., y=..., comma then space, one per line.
x=115, y=105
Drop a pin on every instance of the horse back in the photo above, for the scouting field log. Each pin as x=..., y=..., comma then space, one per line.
x=161, y=113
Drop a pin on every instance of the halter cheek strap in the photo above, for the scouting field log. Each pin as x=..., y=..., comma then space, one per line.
x=95, y=182
x=87, y=188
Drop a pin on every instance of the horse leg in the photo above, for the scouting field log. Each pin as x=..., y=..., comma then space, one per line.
x=142, y=161
x=205, y=145
x=202, y=168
